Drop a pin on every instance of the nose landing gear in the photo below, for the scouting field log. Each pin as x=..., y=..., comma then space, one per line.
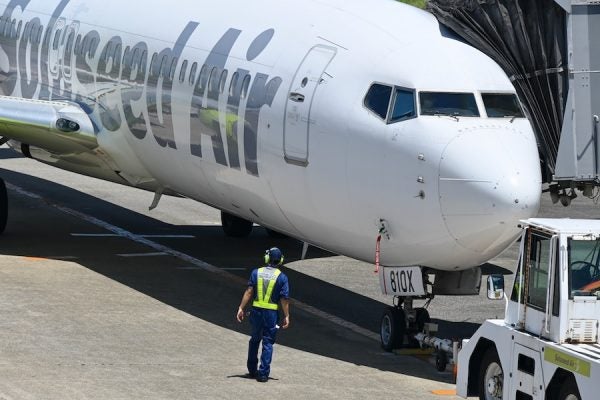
x=400, y=323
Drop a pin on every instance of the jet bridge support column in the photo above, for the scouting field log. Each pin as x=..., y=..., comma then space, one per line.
x=578, y=162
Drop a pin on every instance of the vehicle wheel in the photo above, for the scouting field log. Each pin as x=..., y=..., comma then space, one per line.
x=491, y=378
x=393, y=328
x=235, y=226
x=569, y=390
x=274, y=234
x=3, y=206
x=441, y=361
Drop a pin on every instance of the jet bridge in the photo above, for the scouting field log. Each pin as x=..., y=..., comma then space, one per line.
x=550, y=49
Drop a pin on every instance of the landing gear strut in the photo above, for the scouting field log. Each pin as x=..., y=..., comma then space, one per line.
x=3, y=206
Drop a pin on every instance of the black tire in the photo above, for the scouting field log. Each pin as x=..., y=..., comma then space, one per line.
x=441, y=361
x=491, y=376
x=392, y=328
x=235, y=226
x=569, y=390
x=3, y=206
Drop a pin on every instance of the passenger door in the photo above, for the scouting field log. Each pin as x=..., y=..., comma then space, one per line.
x=299, y=102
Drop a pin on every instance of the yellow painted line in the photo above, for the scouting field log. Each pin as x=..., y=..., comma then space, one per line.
x=414, y=352
x=444, y=392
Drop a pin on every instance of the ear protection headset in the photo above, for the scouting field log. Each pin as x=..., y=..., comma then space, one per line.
x=273, y=257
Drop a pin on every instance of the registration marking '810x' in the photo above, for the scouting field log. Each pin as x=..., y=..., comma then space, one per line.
x=401, y=281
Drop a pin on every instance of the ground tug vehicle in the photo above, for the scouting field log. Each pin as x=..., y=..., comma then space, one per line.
x=547, y=346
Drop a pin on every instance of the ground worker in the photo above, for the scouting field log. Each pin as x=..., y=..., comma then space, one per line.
x=268, y=286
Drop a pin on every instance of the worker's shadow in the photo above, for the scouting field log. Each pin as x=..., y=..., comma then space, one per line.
x=248, y=377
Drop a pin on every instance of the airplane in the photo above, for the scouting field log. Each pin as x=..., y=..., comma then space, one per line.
x=333, y=122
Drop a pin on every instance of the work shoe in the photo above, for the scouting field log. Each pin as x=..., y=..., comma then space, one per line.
x=250, y=375
x=261, y=378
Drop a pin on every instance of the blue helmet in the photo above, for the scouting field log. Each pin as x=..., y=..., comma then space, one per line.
x=273, y=256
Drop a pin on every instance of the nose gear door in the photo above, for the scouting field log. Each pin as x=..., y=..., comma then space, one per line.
x=298, y=106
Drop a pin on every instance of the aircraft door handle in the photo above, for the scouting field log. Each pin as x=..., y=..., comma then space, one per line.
x=297, y=97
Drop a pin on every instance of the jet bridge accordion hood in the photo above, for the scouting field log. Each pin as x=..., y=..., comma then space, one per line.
x=527, y=38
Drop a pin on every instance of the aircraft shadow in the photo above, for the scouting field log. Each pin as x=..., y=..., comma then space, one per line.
x=208, y=296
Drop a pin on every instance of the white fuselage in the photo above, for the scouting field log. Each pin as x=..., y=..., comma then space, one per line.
x=208, y=100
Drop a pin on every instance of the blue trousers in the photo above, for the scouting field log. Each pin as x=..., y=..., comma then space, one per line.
x=263, y=323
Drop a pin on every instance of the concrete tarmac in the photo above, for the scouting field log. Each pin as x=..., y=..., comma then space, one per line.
x=102, y=299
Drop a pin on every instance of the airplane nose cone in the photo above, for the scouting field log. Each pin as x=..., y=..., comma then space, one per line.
x=489, y=180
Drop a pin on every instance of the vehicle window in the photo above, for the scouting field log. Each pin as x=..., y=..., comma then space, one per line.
x=378, y=99
x=245, y=87
x=213, y=80
x=193, y=71
x=183, y=71
x=584, y=271
x=143, y=61
x=500, y=105
x=108, y=51
x=27, y=31
x=538, y=270
x=453, y=104
x=203, y=78
x=404, y=105
x=162, y=68
x=93, y=47
x=77, y=48
x=222, y=81
x=70, y=42
x=56, y=39
x=233, y=83
x=517, y=284
x=171, y=73
x=153, y=67
x=117, y=52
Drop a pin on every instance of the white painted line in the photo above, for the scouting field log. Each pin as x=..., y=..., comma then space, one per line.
x=143, y=254
x=144, y=236
x=169, y=236
x=94, y=235
x=194, y=261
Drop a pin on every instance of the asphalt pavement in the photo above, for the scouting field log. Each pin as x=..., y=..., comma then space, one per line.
x=102, y=299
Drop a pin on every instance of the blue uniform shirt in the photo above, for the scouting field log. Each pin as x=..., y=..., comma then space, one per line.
x=281, y=289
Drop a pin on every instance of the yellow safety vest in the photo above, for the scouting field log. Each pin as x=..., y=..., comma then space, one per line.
x=268, y=276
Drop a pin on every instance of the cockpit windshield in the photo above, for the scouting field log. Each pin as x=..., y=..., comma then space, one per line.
x=502, y=105
x=584, y=268
x=391, y=103
x=452, y=104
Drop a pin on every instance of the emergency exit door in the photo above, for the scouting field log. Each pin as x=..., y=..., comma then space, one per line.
x=299, y=102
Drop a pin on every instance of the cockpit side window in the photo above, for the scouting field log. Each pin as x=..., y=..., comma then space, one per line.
x=453, y=104
x=404, y=105
x=501, y=105
x=378, y=99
